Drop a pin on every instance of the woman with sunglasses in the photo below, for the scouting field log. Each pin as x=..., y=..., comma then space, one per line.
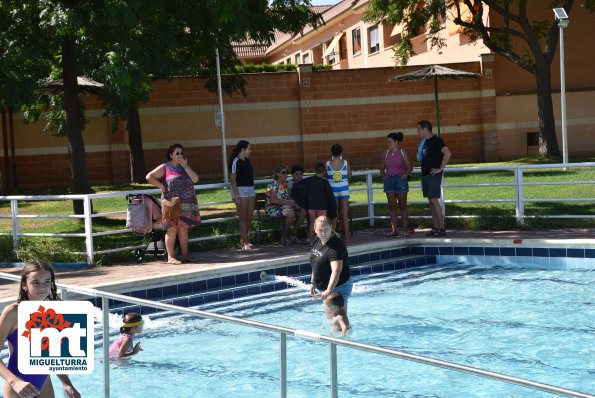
x=279, y=204
x=176, y=178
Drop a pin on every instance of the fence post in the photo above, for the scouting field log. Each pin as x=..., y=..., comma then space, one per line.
x=88, y=229
x=519, y=195
x=14, y=212
x=370, y=188
x=283, y=365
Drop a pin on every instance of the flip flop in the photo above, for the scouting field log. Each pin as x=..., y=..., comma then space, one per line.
x=174, y=261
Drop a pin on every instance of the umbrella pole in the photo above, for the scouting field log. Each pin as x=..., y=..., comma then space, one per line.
x=437, y=107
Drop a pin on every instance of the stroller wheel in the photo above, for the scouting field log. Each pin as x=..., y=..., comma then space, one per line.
x=138, y=255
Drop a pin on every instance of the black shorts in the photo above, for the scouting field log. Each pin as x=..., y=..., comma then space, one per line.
x=430, y=185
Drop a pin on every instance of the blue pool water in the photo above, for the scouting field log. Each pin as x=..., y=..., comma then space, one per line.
x=532, y=322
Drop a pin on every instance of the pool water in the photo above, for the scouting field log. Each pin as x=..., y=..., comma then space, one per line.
x=533, y=323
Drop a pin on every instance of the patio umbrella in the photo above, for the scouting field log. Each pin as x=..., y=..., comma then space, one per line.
x=435, y=72
x=56, y=87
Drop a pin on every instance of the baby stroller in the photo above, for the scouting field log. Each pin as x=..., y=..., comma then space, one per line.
x=144, y=217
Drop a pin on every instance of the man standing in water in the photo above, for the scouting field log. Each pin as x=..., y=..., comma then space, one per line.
x=434, y=158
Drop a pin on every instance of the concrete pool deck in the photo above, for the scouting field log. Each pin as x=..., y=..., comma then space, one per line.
x=124, y=277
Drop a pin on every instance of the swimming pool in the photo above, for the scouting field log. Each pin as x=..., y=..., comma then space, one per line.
x=533, y=321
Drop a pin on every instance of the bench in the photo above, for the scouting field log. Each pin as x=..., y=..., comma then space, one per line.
x=261, y=215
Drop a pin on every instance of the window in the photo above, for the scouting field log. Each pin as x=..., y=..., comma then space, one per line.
x=307, y=58
x=373, y=39
x=356, y=41
x=298, y=59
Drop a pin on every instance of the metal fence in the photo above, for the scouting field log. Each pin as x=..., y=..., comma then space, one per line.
x=519, y=200
x=283, y=332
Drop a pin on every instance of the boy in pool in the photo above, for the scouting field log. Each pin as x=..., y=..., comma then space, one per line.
x=334, y=306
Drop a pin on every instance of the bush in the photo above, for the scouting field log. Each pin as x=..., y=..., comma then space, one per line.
x=6, y=249
x=51, y=249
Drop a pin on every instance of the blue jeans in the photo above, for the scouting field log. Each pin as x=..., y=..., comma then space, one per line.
x=344, y=289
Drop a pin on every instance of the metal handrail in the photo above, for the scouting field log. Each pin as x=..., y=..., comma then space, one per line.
x=284, y=331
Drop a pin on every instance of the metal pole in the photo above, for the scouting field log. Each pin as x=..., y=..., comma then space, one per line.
x=563, y=99
x=283, y=364
x=105, y=312
x=334, y=381
x=222, y=121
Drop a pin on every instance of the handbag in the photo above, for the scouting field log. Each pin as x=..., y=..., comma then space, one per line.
x=171, y=210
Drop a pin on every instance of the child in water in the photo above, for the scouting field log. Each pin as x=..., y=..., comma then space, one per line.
x=123, y=346
x=334, y=306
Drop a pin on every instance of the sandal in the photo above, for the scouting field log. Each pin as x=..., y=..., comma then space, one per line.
x=391, y=234
x=248, y=246
x=174, y=261
x=405, y=233
x=433, y=232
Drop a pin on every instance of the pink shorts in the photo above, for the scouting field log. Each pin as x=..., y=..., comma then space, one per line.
x=316, y=213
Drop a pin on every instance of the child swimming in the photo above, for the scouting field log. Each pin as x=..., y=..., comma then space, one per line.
x=334, y=306
x=123, y=346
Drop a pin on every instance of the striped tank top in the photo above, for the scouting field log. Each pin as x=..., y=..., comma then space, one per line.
x=338, y=179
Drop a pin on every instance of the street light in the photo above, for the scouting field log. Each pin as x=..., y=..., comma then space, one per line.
x=562, y=18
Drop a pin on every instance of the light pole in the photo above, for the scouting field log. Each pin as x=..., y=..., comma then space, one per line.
x=562, y=18
x=221, y=119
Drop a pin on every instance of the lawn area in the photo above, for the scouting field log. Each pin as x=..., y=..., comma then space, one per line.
x=460, y=186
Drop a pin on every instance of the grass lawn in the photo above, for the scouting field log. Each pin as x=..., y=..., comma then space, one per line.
x=496, y=215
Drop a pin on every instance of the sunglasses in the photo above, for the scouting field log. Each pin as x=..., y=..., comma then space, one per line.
x=179, y=153
x=298, y=173
x=284, y=172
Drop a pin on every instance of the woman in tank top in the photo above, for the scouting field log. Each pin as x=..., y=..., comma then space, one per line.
x=396, y=168
x=338, y=174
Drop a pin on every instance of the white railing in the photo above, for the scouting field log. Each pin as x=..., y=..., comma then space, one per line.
x=283, y=332
x=519, y=200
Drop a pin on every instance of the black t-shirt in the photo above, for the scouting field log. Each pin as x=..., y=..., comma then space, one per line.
x=315, y=193
x=321, y=257
x=432, y=155
x=243, y=171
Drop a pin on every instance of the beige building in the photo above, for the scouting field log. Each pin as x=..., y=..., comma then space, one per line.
x=346, y=41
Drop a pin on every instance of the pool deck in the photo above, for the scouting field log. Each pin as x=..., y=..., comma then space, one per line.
x=125, y=277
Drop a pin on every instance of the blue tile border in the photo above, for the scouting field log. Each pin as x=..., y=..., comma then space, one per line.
x=242, y=284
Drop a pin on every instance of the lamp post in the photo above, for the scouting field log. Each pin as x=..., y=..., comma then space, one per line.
x=220, y=119
x=562, y=18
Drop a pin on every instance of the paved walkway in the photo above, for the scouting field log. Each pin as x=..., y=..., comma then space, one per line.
x=125, y=277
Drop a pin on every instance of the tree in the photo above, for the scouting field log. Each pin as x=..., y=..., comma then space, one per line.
x=128, y=43
x=531, y=44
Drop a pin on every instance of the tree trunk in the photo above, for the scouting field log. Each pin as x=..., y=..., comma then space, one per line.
x=135, y=140
x=76, y=145
x=548, y=142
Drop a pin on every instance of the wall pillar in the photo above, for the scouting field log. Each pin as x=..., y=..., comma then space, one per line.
x=488, y=106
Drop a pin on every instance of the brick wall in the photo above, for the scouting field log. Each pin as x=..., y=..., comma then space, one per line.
x=295, y=118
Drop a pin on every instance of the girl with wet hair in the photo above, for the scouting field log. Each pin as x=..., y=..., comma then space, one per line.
x=123, y=346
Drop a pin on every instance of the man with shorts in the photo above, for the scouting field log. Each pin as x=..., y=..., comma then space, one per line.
x=434, y=158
